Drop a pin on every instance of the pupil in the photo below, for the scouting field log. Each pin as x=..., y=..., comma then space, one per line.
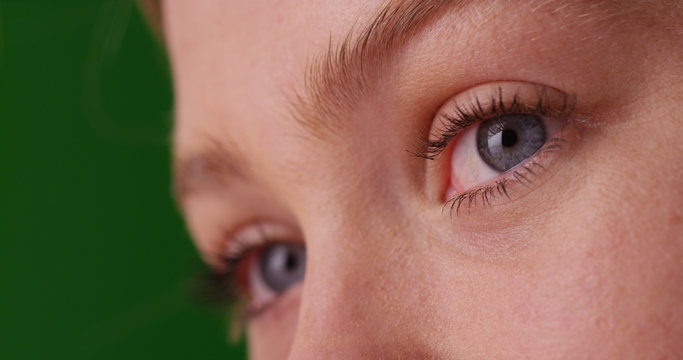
x=509, y=138
x=291, y=262
x=505, y=141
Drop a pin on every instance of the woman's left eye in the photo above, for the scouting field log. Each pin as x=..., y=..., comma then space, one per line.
x=496, y=146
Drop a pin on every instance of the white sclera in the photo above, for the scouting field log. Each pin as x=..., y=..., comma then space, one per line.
x=467, y=167
x=260, y=293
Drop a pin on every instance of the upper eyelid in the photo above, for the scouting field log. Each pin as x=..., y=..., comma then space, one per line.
x=254, y=234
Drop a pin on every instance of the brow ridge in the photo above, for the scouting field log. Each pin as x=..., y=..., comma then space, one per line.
x=215, y=165
x=338, y=78
x=334, y=82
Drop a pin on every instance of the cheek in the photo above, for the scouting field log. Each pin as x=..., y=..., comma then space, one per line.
x=595, y=289
x=604, y=291
x=271, y=335
x=551, y=307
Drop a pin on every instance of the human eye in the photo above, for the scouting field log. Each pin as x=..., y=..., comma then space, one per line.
x=493, y=138
x=255, y=267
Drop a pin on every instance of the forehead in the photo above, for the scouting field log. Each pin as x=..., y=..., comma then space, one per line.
x=235, y=62
x=238, y=65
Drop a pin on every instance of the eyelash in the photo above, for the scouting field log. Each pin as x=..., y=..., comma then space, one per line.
x=227, y=285
x=461, y=118
x=523, y=175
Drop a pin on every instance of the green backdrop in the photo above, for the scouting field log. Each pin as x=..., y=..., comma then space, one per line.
x=94, y=259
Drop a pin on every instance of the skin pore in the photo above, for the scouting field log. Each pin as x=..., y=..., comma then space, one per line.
x=311, y=122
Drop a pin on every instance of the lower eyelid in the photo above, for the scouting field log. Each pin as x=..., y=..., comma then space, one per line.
x=258, y=290
x=469, y=170
x=277, y=309
x=521, y=180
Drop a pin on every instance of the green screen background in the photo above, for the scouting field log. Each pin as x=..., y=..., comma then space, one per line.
x=94, y=258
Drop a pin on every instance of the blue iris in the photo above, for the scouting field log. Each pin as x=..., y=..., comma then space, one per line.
x=505, y=141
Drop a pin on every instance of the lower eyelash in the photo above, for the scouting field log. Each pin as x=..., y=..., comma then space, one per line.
x=522, y=174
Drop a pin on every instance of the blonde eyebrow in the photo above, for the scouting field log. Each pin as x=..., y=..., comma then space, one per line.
x=213, y=167
x=339, y=77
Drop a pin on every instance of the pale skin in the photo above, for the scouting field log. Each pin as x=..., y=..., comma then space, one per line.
x=583, y=262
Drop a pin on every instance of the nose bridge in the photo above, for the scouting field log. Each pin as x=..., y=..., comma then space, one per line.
x=359, y=279
x=362, y=294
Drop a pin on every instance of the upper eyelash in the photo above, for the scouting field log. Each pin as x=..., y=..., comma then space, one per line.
x=464, y=117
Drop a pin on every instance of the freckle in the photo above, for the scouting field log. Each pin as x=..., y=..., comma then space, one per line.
x=279, y=20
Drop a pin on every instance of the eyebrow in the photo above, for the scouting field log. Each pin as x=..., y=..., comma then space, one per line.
x=337, y=79
x=334, y=82
x=214, y=166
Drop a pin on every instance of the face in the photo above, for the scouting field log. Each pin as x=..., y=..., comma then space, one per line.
x=436, y=179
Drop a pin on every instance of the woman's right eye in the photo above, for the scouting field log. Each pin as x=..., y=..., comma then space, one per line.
x=275, y=269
